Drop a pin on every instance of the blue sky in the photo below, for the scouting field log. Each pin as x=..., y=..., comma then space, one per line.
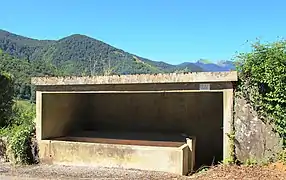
x=173, y=31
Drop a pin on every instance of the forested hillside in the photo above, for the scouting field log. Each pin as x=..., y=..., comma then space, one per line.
x=74, y=55
x=20, y=46
x=82, y=55
x=22, y=70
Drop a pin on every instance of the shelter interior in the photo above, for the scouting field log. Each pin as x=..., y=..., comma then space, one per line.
x=137, y=118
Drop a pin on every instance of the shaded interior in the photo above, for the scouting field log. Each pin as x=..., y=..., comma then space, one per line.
x=162, y=119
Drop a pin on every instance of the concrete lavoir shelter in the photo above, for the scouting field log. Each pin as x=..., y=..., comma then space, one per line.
x=164, y=122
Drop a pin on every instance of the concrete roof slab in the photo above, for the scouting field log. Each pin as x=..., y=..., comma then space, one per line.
x=139, y=79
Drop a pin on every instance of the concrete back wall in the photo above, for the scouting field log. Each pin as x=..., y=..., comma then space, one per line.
x=196, y=114
x=153, y=111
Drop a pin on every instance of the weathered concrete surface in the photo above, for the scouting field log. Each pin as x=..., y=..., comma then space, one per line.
x=139, y=88
x=254, y=139
x=146, y=103
x=57, y=113
x=139, y=79
x=227, y=121
x=167, y=159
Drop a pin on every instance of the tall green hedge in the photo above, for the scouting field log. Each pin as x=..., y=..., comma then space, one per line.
x=6, y=99
x=262, y=80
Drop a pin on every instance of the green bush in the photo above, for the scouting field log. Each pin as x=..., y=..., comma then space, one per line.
x=262, y=80
x=282, y=156
x=19, y=132
x=19, y=144
x=23, y=113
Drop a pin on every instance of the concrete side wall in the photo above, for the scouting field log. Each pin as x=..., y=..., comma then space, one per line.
x=58, y=112
x=166, y=159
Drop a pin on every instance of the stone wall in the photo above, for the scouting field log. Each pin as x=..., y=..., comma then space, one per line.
x=254, y=139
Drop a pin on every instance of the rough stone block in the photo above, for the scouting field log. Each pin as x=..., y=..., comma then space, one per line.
x=254, y=139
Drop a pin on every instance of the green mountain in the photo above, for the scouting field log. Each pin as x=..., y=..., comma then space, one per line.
x=22, y=70
x=79, y=55
x=82, y=55
x=204, y=61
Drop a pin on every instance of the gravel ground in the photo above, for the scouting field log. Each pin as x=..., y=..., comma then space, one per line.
x=41, y=172
x=71, y=172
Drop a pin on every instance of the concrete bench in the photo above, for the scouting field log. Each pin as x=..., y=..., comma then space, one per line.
x=167, y=156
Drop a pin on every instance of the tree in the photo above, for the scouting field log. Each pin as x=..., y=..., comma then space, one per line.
x=6, y=98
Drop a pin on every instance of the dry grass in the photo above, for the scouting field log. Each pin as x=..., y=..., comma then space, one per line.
x=276, y=171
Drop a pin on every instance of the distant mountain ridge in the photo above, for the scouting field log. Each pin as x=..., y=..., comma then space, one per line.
x=82, y=55
x=213, y=67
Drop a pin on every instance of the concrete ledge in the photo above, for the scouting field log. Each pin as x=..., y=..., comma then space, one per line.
x=155, y=158
x=139, y=79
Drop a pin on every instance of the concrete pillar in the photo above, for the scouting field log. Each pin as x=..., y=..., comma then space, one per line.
x=39, y=115
x=227, y=121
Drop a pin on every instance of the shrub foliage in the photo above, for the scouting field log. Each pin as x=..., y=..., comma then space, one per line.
x=262, y=80
x=16, y=123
